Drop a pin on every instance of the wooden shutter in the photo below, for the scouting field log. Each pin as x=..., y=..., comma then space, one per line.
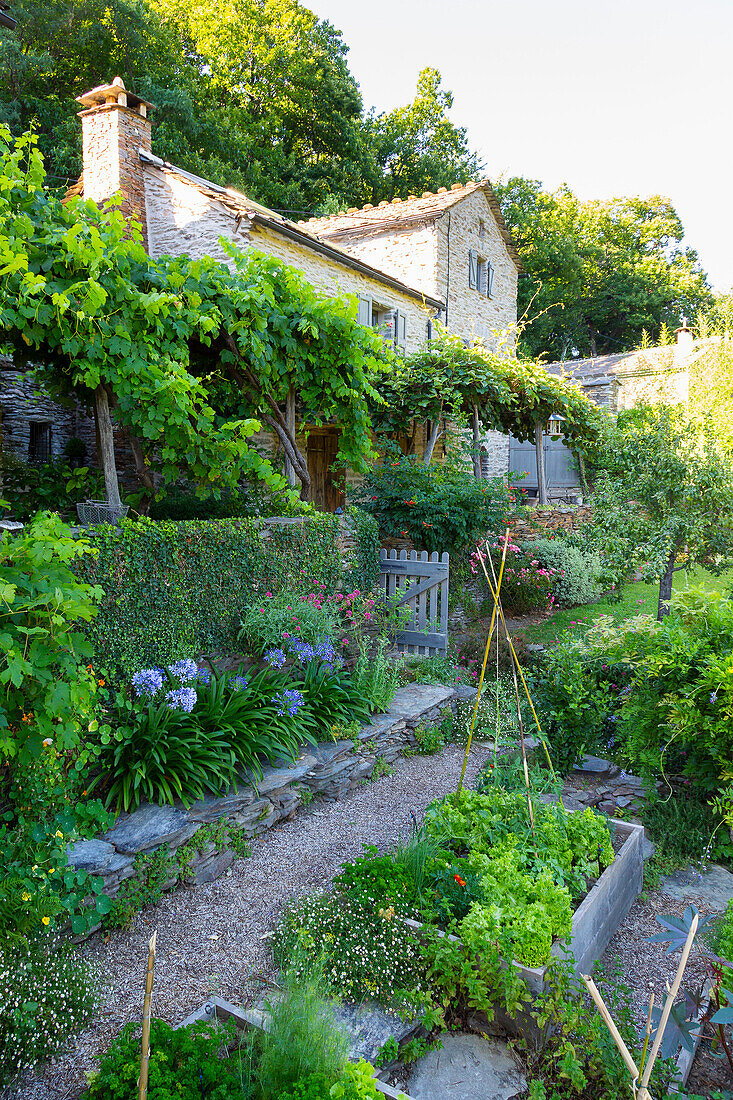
x=365, y=312
x=472, y=269
x=483, y=278
x=400, y=336
x=489, y=279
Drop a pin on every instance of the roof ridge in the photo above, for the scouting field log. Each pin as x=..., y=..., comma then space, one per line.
x=395, y=201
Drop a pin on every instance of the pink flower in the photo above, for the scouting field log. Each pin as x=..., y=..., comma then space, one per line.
x=367, y=614
x=268, y=595
x=285, y=635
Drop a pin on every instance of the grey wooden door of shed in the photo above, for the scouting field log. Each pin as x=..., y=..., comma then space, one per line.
x=560, y=467
x=419, y=583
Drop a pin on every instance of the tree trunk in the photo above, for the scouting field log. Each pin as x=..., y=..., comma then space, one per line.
x=539, y=444
x=476, y=442
x=107, y=447
x=430, y=446
x=665, y=587
x=144, y=472
x=583, y=475
x=592, y=340
x=290, y=472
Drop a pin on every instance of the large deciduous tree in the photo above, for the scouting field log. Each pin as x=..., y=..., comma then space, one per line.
x=600, y=273
x=190, y=355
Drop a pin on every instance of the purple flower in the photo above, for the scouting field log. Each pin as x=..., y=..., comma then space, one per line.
x=184, y=670
x=276, y=657
x=148, y=681
x=238, y=683
x=183, y=698
x=713, y=696
x=204, y=676
x=289, y=701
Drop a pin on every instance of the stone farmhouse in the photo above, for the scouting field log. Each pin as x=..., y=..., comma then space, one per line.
x=446, y=257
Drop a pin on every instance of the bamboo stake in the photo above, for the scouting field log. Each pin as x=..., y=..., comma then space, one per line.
x=142, y=1089
x=521, y=673
x=643, y=1094
x=647, y=1033
x=483, y=667
x=608, y=1020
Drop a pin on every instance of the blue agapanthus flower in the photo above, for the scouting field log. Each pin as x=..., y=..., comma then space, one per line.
x=289, y=701
x=276, y=657
x=322, y=651
x=183, y=698
x=203, y=676
x=184, y=670
x=148, y=681
x=238, y=683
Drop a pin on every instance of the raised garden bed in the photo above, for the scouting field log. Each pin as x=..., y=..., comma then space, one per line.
x=594, y=922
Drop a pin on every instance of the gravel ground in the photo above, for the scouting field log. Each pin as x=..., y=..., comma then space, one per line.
x=212, y=939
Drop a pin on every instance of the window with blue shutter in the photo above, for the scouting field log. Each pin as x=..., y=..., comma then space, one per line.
x=472, y=269
x=489, y=279
x=400, y=334
x=482, y=280
x=365, y=312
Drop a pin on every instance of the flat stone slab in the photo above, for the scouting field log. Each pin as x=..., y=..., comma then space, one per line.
x=595, y=768
x=414, y=699
x=368, y=1027
x=151, y=826
x=468, y=1067
x=712, y=889
x=93, y=856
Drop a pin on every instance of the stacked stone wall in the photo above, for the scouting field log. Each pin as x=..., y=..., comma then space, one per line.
x=327, y=771
x=537, y=522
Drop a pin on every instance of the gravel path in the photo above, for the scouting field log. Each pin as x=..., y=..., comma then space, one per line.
x=212, y=939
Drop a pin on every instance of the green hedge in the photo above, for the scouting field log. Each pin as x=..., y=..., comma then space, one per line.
x=178, y=589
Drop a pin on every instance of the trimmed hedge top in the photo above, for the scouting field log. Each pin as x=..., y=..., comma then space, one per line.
x=172, y=589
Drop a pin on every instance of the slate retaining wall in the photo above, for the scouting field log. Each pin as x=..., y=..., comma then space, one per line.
x=329, y=770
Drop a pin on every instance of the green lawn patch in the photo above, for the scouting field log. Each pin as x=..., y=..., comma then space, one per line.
x=637, y=599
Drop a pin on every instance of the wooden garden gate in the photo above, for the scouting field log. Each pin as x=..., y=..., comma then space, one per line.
x=419, y=582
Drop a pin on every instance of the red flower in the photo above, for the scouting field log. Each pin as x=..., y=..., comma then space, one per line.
x=459, y=880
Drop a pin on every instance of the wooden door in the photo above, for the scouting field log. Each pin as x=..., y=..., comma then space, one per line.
x=326, y=491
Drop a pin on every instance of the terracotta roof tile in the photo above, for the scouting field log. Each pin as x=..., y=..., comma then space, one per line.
x=357, y=224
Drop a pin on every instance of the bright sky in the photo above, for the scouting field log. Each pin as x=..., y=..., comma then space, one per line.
x=615, y=98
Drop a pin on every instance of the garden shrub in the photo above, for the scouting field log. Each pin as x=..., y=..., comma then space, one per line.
x=184, y=502
x=580, y=685
x=526, y=585
x=576, y=577
x=47, y=994
x=185, y=1063
x=440, y=507
x=171, y=589
x=274, y=619
x=54, y=486
x=46, y=688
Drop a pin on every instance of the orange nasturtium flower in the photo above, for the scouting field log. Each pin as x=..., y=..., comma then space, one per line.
x=459, y=880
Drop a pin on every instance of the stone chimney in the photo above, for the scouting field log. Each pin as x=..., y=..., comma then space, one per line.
x=685, y=339
x=115, y=127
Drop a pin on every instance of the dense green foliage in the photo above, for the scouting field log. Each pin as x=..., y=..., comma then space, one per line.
x=526, y=585
x=49, y=486
x=440, y=507
x=47, y=995
x=172, y=589
x=576, y=577
x=601, y=273
x=508, y=393
x=193, y=355
x=257, y=96
x=666, y=492
x=185, y=1064
x=46, y=692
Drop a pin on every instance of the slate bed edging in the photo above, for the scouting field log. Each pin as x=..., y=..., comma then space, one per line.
x=329, y=770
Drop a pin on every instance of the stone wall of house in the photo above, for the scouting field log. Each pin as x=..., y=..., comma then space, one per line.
x=470, y=225
x=409, y=253
x=182, y=218
x=24, y=401
x=112, y=135
x=327, y=771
